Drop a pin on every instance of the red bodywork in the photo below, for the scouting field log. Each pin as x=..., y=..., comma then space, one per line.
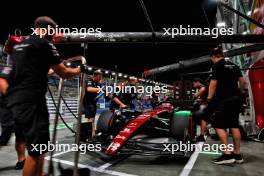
x=257, y=85
x=131, y=128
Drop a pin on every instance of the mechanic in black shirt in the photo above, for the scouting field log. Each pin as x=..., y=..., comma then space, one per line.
x=224, y=86
x=127, y=98
x=6, y=119
x=120, y=100
x=135, y=101
x=27, y=88
x=92, y=92
x=201, y=100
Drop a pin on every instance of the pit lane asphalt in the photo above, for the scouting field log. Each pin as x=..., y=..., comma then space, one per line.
x=145, y=165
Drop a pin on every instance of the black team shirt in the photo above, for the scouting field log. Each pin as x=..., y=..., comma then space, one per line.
x=227, y=75
x=29, y=77
x=90, y=98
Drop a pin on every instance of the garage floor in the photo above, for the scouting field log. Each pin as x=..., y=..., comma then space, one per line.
x=198, y=164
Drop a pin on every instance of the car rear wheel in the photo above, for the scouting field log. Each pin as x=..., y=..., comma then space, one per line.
x=179, y=125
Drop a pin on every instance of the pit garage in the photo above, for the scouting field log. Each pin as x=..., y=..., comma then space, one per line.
x=130, y=103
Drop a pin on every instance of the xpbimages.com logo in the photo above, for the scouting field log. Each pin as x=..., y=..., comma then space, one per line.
x=83, y=148
x=189, y=147
x=181, y=31
x=146, y=90
x=83, y=32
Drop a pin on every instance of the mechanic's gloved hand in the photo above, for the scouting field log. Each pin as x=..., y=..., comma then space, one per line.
x=84, y=68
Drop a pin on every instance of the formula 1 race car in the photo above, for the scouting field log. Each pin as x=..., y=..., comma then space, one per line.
x=148, y=133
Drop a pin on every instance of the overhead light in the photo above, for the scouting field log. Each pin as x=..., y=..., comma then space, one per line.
x=245, y=32
x=248, y=13
x=125, y=76
x=106, y=72
x=256, y=10
x=90, y=68
x=120, y=74
x=113, y=73
x=221, y=24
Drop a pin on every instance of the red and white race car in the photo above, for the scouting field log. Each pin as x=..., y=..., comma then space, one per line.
x=147, y=133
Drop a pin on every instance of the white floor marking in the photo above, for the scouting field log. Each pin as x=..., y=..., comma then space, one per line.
x=211, y=153
x=104, y=166
x=188, y=167
x=95, y=169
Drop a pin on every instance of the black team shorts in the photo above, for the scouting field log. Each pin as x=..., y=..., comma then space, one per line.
x=7, y=123
x=32, y=125
x=226, y=114
x=90, y=110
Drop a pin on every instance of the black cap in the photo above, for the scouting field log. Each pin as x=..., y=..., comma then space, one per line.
x=197, y=80
x=217, y=52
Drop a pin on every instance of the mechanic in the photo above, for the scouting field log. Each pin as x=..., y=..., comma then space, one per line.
x=201, y=101
x=135, y=101
x=5, y=115
x=126, y=99
x=224, y=86
x=32, y=59
x=93, y=86
x=154, y=99
x=7, y=121
x=120, y=100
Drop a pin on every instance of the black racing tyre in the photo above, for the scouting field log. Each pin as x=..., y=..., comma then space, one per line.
x=104, y=121
x=179, y=127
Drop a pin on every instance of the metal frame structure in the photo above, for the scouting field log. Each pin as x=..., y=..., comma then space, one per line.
x=147, y=37
x=78, y=130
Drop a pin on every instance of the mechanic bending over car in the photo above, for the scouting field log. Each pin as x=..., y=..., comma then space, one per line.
x=201, y=103
x=125, y=99
x=93, y=87
x=224, y=86
x=136, y=100
x=33, y=58
x=120, y=100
